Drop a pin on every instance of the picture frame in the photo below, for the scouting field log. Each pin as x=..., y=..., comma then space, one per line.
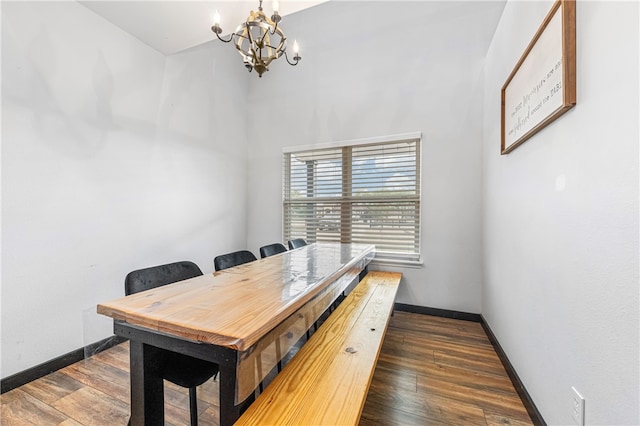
x=542, y=85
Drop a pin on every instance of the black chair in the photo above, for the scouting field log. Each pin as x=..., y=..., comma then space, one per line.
x=230, y=260
x=298, y=242
x=177, y=368
x=271, y=249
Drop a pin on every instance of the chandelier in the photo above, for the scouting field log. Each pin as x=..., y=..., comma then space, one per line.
x=259, y=40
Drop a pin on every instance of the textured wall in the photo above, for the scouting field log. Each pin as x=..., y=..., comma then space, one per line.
x=561, y=222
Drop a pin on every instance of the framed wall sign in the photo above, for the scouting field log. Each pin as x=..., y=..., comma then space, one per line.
x=542, y=86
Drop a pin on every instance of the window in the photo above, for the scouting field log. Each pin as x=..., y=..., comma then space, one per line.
x=356, y=192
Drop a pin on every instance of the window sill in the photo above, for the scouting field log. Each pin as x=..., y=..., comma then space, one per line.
x=398, y=262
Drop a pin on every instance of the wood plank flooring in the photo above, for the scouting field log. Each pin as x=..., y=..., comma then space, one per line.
x=431, y=371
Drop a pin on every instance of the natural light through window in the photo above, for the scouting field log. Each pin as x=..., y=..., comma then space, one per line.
x=360, y=192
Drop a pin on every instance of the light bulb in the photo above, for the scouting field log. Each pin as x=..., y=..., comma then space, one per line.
x=216, y=18
x=276, y=6
x=296, y=48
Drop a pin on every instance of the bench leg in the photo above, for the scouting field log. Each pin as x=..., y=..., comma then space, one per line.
x=279, y=354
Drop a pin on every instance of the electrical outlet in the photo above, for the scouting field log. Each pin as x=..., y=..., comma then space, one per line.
x=577, y=409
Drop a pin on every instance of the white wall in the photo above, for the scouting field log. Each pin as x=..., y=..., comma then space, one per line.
x=561, y=222
x=202, y=124
x=110, y=163
x=420, y=71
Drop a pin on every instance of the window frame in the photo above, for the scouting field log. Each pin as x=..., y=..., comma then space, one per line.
x=410, y=260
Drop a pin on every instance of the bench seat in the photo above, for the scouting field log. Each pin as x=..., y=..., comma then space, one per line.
x=327, y=381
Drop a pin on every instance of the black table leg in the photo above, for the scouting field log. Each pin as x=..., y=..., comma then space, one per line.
x=147, y=387
x=229, y=412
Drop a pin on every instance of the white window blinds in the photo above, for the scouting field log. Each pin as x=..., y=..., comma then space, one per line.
x=359, y=193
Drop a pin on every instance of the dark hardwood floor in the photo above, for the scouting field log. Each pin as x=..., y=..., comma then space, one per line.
x=431, y=371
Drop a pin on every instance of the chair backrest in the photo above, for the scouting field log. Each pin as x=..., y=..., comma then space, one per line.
x=298, y=242
x=271, y=249
x=230, y=260
x=156, y=276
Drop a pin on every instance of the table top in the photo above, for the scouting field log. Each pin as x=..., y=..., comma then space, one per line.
x=237, y=307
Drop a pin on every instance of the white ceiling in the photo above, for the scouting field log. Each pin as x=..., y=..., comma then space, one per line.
x=172, y=26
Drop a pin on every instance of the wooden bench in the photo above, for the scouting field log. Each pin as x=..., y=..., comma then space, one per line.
x=327, y=381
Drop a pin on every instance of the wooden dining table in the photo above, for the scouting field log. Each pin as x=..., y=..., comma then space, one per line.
x=245, y=319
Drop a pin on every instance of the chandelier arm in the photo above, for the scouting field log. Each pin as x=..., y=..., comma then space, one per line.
x=249, y=36
x=275, y=29
x=268, y=32
x=268, y=60
x=296, y=58
x=273, y=47
x=223, y=40
x=254, y=54
x=277, y=52
x=252, y=43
